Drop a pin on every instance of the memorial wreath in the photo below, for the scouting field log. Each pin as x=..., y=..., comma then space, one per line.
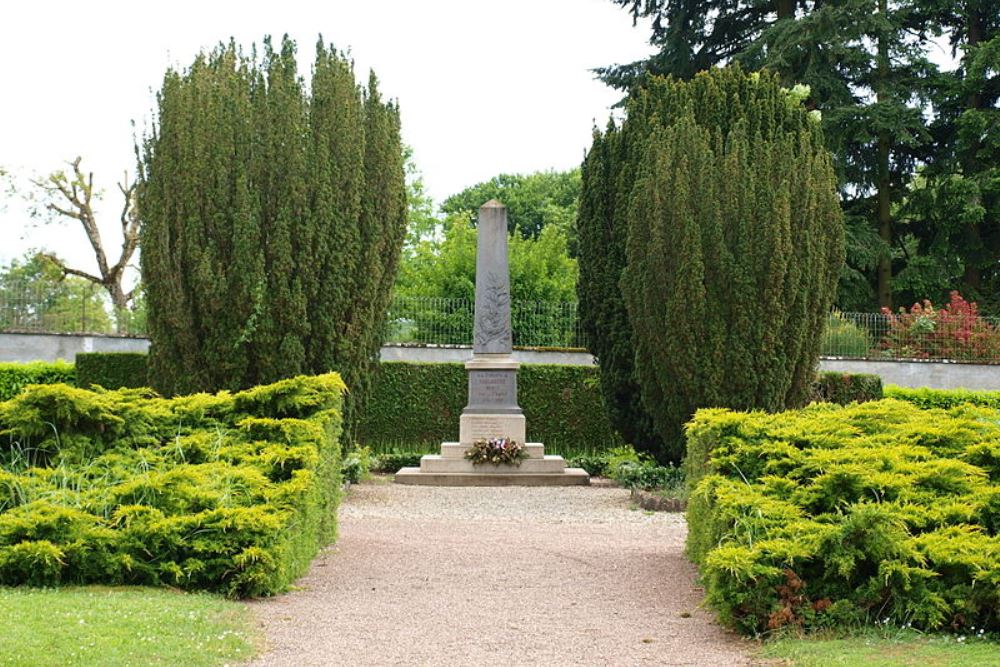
x=496, y=451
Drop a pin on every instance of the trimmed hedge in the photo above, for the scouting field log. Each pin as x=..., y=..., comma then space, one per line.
x=112, y=370
x=15, y=377
x=421, y=403
x=944, y=398
x=844, y=388
x=232, y=493
x=834, y=515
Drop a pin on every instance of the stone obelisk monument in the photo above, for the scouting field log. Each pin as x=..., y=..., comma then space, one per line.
x=492, y=410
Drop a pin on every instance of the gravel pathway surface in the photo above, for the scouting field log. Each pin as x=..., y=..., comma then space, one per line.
x=497, y=576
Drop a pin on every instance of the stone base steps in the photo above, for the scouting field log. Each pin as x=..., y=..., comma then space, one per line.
x=545, y=464
x=451, y=468
x=567, y=477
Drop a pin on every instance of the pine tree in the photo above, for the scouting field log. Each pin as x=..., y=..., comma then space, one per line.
x=866, y=66
x=726, y=200
x=273, y=219
x=953, y=205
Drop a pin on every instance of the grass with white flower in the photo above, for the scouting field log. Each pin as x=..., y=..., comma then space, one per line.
x=885, y=647
x=92, y=625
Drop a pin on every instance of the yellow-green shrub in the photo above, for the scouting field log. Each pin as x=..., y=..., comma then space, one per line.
x=943, y=398
x=879, y=510
x=228, y=492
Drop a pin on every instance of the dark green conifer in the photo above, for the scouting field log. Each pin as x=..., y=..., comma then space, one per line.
x=273, y=218
x=724, y=199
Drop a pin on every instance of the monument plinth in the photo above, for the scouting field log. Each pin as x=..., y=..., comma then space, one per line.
x=492, y=410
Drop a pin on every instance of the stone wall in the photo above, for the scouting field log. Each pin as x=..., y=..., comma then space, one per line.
x=51, y=347
x=933, y=374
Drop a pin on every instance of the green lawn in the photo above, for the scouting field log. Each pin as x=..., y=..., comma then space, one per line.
x=886, y=648
x=121, y=626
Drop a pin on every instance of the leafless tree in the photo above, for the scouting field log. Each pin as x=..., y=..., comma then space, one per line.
x=72, y=196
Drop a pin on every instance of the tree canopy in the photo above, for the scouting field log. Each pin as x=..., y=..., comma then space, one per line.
x=903, y=133
x=534, y=201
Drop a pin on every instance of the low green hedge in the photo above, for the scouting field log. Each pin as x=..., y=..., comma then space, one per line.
x=944, y=398
x=844, y=388
x=421, y=403
x=836, y=515
x=112, y=370
x=15, y=377
x=230, y=492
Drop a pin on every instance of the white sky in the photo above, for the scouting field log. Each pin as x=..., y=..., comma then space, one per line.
x=484, y=86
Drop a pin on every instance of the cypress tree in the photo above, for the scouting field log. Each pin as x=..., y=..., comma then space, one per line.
x=601, y=248
x=272, y=220
x=725, y=201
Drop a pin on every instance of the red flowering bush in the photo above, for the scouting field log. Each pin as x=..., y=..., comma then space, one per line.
x=956, y=331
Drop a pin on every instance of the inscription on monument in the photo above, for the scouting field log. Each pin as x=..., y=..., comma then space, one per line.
x=493, y=388
x=484, y=428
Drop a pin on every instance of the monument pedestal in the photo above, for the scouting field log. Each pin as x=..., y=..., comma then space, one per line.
x=451, y=468
x=492, y=411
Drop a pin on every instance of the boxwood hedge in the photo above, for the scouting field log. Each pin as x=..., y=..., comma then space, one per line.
x=844, y=388
x=229, y=492
x=15, y=377
x=421, y=403
x=944, y=398
x=112, y=370
x=827, y=515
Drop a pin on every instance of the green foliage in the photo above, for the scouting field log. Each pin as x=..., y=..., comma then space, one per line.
x=534, y=201
x=874, y=511
x=734, y=241
x=392, y=459
x=541, y=270
x=943, y=398
x=421, y=403
x=868, y=74
x=357, y=465
x=844, y=338
x=15, y=377
x=844, y=388
x=272, y=221
x=634, y=470
x=112, y=370
x=233, y=493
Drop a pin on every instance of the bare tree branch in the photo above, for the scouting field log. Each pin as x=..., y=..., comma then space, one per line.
x=71, y=196
x=68, y=270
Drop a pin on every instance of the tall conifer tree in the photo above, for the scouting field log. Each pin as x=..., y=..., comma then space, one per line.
x=273, y=217
x=725, y=198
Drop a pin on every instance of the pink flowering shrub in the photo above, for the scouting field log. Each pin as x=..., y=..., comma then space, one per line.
x=956, y=331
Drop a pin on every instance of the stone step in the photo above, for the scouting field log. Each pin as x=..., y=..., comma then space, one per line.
x=568, y=477
x=547, y=464
x=456, y=450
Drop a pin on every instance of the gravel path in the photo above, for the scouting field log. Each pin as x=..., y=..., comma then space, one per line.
x=497, y=576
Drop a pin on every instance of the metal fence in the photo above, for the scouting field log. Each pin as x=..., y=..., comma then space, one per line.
x=434, y=321
x=963, y=335
x=930, y=335
x=55, y=307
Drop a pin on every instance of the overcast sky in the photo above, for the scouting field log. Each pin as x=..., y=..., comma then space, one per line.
x=484, y=87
